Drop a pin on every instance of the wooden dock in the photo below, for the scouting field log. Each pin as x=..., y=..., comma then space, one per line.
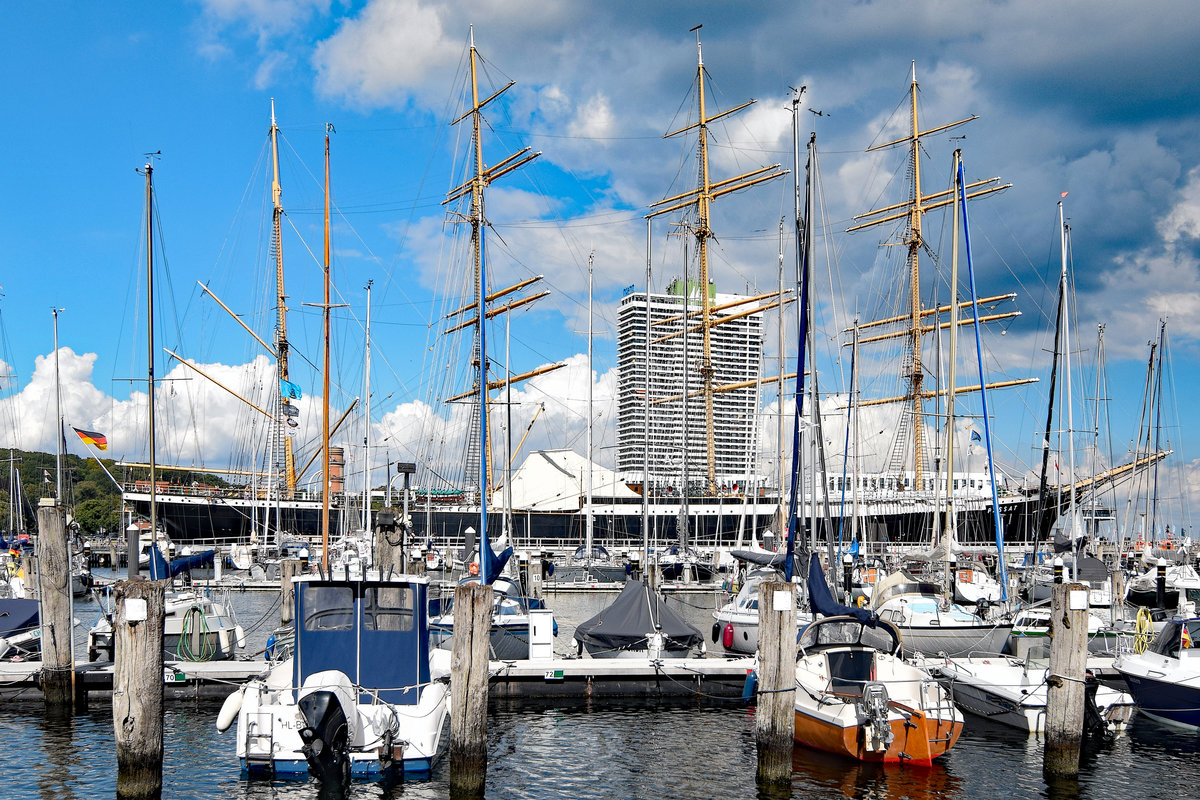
x=558, y=678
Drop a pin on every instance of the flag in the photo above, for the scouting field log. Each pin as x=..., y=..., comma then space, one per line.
x=45, y=476
x=975, y=437
x=91, y=437
x=289, y=390
x=1064, y=194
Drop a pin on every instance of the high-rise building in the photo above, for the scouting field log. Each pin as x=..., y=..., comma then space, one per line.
x=677, y=445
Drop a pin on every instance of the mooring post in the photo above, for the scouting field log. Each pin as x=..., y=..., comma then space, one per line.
x=469, y=689
x=389, y=541
x=1065, y=682
x=1160, y=584
x=138, y=688
x=288, y=569
x=54, y=588
x=775, y=716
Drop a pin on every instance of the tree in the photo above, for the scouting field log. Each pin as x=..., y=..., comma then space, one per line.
x=104, y=512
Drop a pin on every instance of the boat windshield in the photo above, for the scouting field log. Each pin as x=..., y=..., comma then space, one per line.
x=1177, y=635
x=328, y=608
x=841, y=631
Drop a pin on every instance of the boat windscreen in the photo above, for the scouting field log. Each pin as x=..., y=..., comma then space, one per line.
x=388, y=608
x=327, y=608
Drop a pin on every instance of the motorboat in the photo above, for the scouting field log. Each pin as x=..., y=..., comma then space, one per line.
x=735, y=623
x=1182, y=589
x=362, y=695
x=511, y=621
x=973, y=586
x=857, y=697
x=197, y=625
x=1164, y=678
x=638, y=624
x=930, y=624
x=1012, y=691
x=1031, y=630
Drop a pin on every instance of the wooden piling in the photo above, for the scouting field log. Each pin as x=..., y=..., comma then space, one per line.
x=288, y=569
x=1065, y=682
x=138, y=688
x=54, y=588
x=389, y=542
x=469, y=689
x=775, y=715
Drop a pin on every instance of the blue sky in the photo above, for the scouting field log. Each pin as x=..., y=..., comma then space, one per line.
x=1071, y=96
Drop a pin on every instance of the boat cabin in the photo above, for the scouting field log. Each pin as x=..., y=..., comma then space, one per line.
x=1177, y=637
x=373, y=629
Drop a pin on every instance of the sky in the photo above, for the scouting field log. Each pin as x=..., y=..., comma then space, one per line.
x=1073, y=97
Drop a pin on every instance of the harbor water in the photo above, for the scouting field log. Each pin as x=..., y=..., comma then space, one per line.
x=598, y=748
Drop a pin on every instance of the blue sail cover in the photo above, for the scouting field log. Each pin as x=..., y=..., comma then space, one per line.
x=821, y=600
x=160, y=569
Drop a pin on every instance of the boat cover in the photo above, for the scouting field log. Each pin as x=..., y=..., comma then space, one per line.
x=159, y=568
x=821, y=600
x=636, y=612
x=765, y=558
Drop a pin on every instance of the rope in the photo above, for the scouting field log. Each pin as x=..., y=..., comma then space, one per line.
x=1145, y=631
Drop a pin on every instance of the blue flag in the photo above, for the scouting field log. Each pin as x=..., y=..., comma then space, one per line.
x=975, y=437
x=289, y=390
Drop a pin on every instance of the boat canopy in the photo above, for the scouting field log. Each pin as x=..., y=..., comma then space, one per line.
x=159, y=568
x=374, y=630
x=902, y=582
x=636, y=613
x=828, y=632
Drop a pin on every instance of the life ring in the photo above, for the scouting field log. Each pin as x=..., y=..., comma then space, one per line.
x=1145, y=631
x=474, y=568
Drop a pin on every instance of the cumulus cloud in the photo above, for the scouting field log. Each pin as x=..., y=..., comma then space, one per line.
x=386, y=53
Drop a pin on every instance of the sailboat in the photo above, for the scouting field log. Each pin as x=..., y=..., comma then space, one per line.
x=196, y=626
x=857, y=697
x=268, y=504
x=362, y=693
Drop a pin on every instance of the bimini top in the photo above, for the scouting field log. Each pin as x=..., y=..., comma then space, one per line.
x=902, y=582
x=375, y=630
x=830, y=632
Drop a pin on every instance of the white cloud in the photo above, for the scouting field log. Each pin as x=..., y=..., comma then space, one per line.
x=385, y=53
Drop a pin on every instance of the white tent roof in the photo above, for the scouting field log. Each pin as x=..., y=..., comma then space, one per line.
x=554, y=480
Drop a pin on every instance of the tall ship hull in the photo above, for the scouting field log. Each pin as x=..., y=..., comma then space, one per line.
x=235, y=517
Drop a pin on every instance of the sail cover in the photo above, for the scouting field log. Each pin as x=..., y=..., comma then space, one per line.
x=636, y=612
x=160, y=569
x=821, y=599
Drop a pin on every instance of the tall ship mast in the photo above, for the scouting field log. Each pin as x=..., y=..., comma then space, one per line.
x=701, y=199
x=908, y=449
x=281, y=340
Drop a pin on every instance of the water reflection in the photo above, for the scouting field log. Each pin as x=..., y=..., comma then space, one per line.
x=55, y=780
x=817, y=773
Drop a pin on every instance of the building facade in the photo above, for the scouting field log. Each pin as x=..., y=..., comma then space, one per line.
x=676, y=444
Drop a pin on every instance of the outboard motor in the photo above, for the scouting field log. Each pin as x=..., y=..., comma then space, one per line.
x=326, y=738
x=875, y=707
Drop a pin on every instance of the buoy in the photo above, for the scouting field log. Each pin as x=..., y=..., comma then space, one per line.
x=229, y=711
x=727, y=638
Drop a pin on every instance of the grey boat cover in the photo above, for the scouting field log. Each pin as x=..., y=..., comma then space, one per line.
x=636, y=612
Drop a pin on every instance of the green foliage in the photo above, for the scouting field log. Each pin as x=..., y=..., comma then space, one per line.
x=89, y=490
x=97, y=514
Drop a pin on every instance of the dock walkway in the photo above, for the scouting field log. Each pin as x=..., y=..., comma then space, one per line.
x=723, y=678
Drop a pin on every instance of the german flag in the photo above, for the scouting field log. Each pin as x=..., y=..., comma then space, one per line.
x=91, y=437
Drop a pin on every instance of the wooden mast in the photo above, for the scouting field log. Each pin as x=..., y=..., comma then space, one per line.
x=281, y=340
x=913, y=212
x=482, y=177
x=702, y=198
